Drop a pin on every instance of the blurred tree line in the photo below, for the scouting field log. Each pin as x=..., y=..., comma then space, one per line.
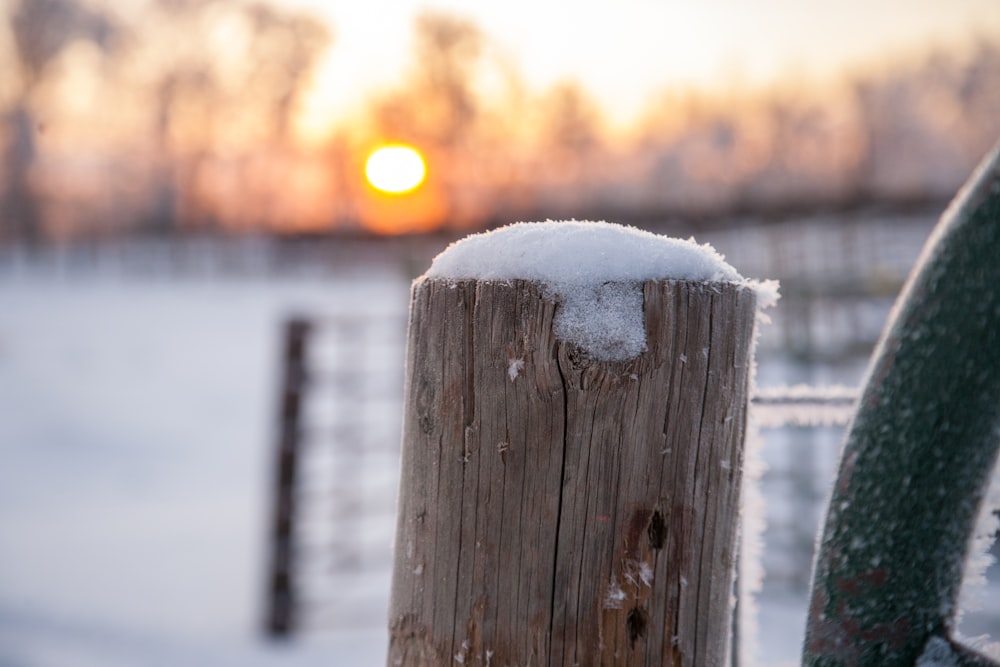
x=172, y=116
x=112, y=116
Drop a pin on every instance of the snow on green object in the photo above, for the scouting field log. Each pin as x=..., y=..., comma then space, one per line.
x=918, y=456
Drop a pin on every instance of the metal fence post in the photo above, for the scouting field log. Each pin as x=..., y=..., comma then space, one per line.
x=280, y=620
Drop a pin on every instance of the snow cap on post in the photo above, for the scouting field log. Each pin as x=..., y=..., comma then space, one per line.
x=594, y=270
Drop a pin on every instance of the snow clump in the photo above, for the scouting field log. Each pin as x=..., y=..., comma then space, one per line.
x=594, y=271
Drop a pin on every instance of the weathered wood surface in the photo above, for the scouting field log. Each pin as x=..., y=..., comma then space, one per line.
x=559, y=511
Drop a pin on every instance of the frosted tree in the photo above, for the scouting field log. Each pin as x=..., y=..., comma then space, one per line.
x=41, y=30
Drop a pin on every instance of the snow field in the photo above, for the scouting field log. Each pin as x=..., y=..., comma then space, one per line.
x=136, y=428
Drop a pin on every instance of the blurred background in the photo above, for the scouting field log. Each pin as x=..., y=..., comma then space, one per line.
x=181, y=178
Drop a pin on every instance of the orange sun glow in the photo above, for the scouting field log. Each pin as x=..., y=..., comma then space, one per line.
x=396, y=169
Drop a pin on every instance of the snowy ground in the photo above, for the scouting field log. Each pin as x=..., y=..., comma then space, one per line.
x=135, y=440
x=136, y=422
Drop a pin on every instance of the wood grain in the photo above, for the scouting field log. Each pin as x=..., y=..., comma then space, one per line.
x=559, y=511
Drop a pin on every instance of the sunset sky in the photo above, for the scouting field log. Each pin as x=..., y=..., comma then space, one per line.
x=626, y=50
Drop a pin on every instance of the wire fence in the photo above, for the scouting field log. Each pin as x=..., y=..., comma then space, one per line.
x=331, y=560
x=838, y=282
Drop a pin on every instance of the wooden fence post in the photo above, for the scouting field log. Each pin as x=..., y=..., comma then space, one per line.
x=556, y=510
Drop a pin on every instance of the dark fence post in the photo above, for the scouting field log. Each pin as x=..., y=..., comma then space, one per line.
x=281, y=588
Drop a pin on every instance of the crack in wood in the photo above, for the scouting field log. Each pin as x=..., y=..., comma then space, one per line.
x=656, y=533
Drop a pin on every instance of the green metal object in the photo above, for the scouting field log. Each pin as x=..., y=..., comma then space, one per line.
x=919, y=454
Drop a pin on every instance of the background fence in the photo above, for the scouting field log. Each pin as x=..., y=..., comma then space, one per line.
x=839, y=279
x=140, y=379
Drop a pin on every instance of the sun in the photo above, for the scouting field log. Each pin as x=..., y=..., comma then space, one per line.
x=396, y=169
